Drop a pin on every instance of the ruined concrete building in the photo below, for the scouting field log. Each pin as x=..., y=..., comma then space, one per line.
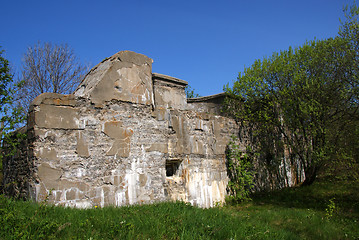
x=126, y=136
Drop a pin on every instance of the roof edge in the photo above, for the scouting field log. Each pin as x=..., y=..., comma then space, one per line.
x=206, y=98
x=169, y=79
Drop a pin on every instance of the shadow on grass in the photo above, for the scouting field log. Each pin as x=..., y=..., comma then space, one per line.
x=345, y=195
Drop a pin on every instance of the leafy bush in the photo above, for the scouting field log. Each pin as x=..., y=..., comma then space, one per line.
x=240, y=173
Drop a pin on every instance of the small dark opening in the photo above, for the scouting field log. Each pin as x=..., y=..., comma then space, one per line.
x=172, y=167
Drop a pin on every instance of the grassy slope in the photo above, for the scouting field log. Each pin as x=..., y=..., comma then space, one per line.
x=297, y=213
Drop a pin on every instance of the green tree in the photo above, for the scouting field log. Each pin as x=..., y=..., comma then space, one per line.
x=190, y=92
x=349, y=28
x=347, y=137
x=10, y=116
x=294, y=98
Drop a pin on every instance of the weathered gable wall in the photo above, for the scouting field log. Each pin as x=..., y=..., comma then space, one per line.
x=126, y=136
x=126, y=76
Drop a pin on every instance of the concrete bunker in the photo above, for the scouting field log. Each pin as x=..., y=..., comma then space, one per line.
x=125, y=136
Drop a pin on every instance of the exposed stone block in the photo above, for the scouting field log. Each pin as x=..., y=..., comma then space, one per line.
x=120, y=148
x=49, y=176
x=82, y=147
x=115, y=130
x=47, y=153
x=57, y=117
x=67, y=184
x=179, y=125
x=159, y=147
x=117, y=180
x=143, y=180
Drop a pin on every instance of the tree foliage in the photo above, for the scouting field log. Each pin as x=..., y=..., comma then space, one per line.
x=10, y=115
x=301, y=99
x=49, y=68
x=190, y=92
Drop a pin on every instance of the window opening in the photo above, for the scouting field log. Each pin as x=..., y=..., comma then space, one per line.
x=172, y=166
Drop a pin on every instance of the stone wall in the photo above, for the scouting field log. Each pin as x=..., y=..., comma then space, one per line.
x=125, y=136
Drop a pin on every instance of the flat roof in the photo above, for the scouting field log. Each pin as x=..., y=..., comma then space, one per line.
x=169, y=79
x=206, y=98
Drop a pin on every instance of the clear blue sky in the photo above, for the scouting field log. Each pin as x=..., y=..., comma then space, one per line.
x=203, y=42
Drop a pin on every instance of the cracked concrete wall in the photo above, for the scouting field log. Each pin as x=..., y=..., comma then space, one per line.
x=117, y=155
x=126, y=136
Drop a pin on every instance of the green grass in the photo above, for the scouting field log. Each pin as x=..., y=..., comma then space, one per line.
x=325, y=210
